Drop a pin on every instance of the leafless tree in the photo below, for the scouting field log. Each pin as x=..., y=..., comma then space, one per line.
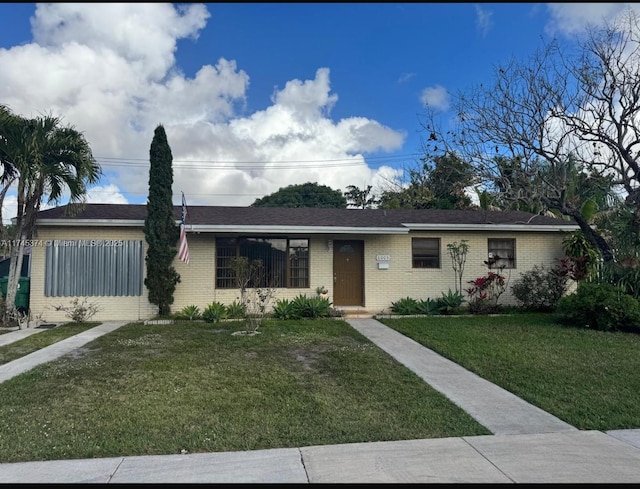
x=257, y=290
x=557, y=125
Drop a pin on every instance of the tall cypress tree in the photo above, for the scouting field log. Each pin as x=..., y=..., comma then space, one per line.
x=160, y=229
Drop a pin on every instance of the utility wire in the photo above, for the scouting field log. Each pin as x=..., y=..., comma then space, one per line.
x=254, y=165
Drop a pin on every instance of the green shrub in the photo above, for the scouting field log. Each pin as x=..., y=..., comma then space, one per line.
x=427, y=306
x=214, y=312
x=285, y=309
x=602, y=307
x=303, y=306
x=405, y=306
x=618, y=274
x=582, y=255
x=450, y=303
x=236, y=310
x=540, y=289
x=189, y=313
x=312, y=307
x=79, y=312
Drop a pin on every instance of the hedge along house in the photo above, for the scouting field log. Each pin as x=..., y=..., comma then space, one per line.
x=365, y=258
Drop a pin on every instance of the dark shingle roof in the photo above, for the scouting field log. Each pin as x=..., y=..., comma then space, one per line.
x=306, y=216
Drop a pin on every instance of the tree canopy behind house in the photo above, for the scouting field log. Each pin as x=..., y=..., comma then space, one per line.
x=304, y=195
x=361, y=198
x=439, y=182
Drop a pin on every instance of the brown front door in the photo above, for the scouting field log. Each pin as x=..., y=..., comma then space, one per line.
x=348, y=273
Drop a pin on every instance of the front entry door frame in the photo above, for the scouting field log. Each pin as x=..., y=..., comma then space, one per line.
x=348, y=272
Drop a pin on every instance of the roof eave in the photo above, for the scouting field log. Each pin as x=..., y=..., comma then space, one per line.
x=91, y=222
x=231, y=228
x=273, y=229
x=236, y=228
x=491, y=227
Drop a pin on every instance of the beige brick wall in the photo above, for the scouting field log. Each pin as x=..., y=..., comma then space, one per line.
x=382, y=287
x=401, y=280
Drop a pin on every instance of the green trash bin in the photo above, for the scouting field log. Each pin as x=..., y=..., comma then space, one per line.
x=22, y=294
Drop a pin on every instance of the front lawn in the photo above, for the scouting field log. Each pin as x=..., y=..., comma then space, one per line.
x=195, y=387
x=587, y=378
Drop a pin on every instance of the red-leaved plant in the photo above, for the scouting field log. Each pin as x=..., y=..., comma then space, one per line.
x=484, y=292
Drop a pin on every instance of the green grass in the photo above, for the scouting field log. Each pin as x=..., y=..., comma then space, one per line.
x=36, y=341
x=193, y=386
x=587, y=378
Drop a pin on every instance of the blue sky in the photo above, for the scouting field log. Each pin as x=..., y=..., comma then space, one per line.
x=255, y=97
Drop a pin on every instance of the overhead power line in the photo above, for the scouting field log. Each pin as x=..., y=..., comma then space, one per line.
x=255, y=165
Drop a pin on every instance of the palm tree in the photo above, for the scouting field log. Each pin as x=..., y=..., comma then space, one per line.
x=49, y=160
x=8, y=172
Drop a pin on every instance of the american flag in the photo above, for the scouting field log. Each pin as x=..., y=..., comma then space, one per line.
x=183, y=247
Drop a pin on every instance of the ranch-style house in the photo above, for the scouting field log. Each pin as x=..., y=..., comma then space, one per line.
x=365, y=258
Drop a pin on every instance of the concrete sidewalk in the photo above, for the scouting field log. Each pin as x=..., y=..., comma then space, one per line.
x=528, y=444
x=566, y=457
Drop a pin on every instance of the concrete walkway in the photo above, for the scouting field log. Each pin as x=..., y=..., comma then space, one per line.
x=11, y=369
x=529, y=445
x=18, y=334
x=496, y=409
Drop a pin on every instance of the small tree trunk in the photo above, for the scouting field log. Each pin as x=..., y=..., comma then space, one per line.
x=22, y=231
x=15, y=269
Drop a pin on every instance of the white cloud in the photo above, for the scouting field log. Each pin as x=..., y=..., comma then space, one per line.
x=309, y=97
x=573, y=18
x=9, y=207
x=110, y=71
x=483, y=20
x=109, y=194
x=290, y=142
x=436, y=97
x=405, y=77
x=143, y=34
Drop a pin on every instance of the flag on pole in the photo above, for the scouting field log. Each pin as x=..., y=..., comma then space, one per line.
x=183, y=247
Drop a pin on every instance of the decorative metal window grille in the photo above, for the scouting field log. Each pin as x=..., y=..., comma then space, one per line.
x=285, y=261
